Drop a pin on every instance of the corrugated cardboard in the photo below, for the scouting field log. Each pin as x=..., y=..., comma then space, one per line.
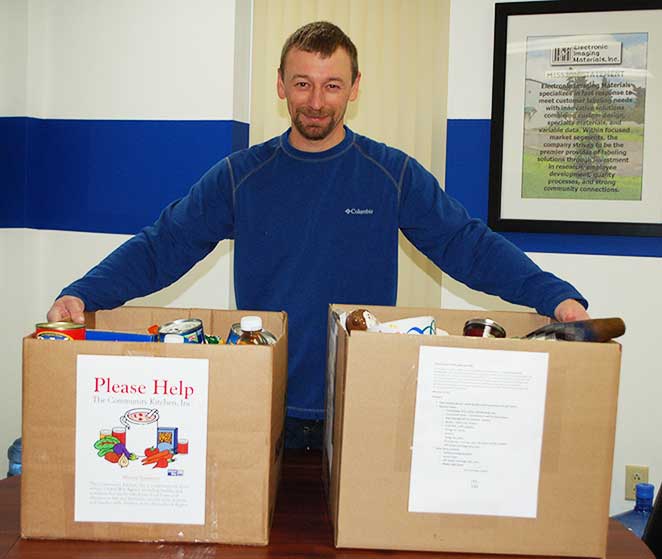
x=246, y=406
x=373, y=380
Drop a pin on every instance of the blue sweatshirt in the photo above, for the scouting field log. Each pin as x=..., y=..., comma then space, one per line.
x=312, y=229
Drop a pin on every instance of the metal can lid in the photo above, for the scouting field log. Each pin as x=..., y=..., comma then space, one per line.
x=60, y=325
x=181, y=326
x=494, y=327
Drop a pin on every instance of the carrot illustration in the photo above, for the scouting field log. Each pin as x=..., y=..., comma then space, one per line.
x=155, y=457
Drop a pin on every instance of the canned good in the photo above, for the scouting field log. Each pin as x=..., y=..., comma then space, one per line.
x=483, y=328
x=189, y=329
x=234, y=333
x=60, y=331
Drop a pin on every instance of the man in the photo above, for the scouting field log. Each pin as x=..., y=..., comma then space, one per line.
x=315, y=215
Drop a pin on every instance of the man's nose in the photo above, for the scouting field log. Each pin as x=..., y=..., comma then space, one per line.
x=316, y=100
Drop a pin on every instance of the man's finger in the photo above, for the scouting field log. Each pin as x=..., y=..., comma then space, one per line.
x=67, y=309
x=57, y=314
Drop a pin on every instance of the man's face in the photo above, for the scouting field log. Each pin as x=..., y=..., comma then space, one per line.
x=317, y=91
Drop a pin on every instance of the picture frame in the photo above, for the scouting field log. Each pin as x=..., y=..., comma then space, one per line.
x=573, y=145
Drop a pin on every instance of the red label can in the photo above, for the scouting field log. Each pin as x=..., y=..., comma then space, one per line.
x=483, y=328
x=60, y=331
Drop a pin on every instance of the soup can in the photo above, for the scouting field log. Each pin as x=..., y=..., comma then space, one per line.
x=59, y=331
x=190, y=330
x=483, y=328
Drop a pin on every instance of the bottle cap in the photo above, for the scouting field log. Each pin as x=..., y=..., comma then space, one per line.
x=250, y=323
x=644, y=490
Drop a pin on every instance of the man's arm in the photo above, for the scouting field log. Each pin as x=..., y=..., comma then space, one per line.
x=472, y=253
x=186, y=232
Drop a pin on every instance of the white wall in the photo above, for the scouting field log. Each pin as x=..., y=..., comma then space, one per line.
x=148, y=59
x=615, y=286
x=16, y=280
x=129, y=60
x=13, y=57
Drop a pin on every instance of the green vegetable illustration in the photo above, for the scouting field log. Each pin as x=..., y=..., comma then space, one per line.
x=106, y=445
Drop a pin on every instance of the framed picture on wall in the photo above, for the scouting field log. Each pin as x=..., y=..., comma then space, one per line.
x=576, y=140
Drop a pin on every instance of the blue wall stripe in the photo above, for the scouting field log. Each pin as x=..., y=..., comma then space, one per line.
x=13, y=158
x=467, y=180
x=108, y=176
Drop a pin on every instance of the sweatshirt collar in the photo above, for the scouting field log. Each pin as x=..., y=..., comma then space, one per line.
x=335, y=151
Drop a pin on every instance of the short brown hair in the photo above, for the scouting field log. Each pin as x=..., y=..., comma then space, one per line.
x=320, y=37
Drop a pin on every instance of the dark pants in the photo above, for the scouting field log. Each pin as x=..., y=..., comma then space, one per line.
x=303, y=433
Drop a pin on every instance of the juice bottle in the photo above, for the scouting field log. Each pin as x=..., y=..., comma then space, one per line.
x=252, y=332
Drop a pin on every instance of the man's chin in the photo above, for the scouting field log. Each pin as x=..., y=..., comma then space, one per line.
x=314, y=132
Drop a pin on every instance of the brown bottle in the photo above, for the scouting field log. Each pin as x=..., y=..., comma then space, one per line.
x=251, y=332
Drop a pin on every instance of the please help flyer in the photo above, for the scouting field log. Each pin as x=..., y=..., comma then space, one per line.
x=141, y=437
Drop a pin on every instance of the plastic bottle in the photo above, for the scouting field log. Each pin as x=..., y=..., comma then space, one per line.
x=636, y=519
x=14, y=454
x=252, y=332
x=653, y=533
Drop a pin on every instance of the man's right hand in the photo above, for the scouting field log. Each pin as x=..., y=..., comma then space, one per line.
x=67, y=308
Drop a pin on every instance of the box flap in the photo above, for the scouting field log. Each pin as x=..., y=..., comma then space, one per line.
x=332, y=449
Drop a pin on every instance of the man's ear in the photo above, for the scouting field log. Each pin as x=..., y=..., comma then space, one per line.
x=280, y=86
x=354, y=93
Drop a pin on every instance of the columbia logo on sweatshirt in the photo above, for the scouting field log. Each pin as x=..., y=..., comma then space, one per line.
x=355, y=211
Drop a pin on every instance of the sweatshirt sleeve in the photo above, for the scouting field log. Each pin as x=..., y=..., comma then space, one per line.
x=186, y=231
x=469, y=251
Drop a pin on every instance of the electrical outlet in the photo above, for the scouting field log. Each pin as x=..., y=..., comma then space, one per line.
x=633, y=475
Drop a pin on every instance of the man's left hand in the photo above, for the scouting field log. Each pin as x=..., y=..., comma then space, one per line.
x=570, y=310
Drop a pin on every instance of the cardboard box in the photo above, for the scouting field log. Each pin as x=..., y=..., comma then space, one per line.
x=245, y=415
x=371, y=402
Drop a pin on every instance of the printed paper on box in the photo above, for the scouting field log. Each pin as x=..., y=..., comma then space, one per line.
x=478, y=431
x=141, y=436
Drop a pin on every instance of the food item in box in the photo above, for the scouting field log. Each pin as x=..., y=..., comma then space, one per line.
x=113, y=336
x=215, y=340
x=60, y=331
x=425, y=325
x=483, y=328
x=190, y=329
x=591, y=330
x=252, y=332
x=360, y=319
x=235, y=333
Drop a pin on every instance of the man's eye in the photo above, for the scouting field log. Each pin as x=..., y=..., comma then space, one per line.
x=301, y=84
x=333, y=86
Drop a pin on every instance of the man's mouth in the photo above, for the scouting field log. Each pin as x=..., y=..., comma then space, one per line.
x=315, y=117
